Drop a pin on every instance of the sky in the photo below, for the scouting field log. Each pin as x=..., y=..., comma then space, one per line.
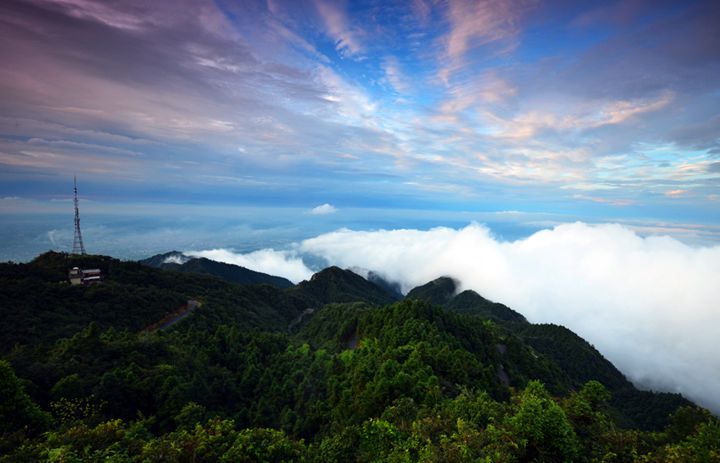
x=561, y=157
x=595, y=111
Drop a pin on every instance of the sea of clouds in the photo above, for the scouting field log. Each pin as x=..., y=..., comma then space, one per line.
x=651, y=305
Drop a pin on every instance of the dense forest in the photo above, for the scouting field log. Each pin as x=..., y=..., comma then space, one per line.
x=336, y=368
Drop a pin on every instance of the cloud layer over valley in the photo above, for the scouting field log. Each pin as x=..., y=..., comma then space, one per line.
x=281, y=263
x=649, y=304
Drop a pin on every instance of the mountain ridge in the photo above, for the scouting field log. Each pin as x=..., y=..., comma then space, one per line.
x=175, y=260
x=443, y=291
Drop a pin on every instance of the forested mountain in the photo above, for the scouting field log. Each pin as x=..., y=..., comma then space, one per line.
x=334, y=284
x=579, y=361
x=438, y=291
x=444, y=292
x=253, y=375
x=177, y=261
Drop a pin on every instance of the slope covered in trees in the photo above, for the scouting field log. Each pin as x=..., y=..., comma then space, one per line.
x=359, y=379
x=579, y=361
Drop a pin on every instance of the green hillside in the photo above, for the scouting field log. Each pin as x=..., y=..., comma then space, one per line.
x=38, y=305
x=578, y=361
x=358, y=378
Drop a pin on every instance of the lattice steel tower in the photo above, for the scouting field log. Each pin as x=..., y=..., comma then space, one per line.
x=78, y=246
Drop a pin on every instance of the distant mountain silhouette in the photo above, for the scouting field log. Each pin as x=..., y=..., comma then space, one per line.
x=175, y=260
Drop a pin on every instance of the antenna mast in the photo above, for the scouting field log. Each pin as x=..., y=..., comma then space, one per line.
x=78, y=246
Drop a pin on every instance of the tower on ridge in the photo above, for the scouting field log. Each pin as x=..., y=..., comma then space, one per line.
x=78, y=246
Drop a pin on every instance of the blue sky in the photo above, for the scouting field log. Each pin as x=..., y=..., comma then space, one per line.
x=426, y=112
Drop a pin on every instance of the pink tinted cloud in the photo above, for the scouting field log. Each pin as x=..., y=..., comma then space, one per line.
x=676, y=193
x=622, y=202
x=336, y=21
x=475, y=24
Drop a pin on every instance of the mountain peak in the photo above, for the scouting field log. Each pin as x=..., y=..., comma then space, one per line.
x=334, y=284
x=172, y=257
x=439, y=291
x=333, y=272
x=443, y=292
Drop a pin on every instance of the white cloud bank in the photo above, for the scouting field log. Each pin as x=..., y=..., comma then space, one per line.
x=323, y=209
x=280, y=263
x=650, y=305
